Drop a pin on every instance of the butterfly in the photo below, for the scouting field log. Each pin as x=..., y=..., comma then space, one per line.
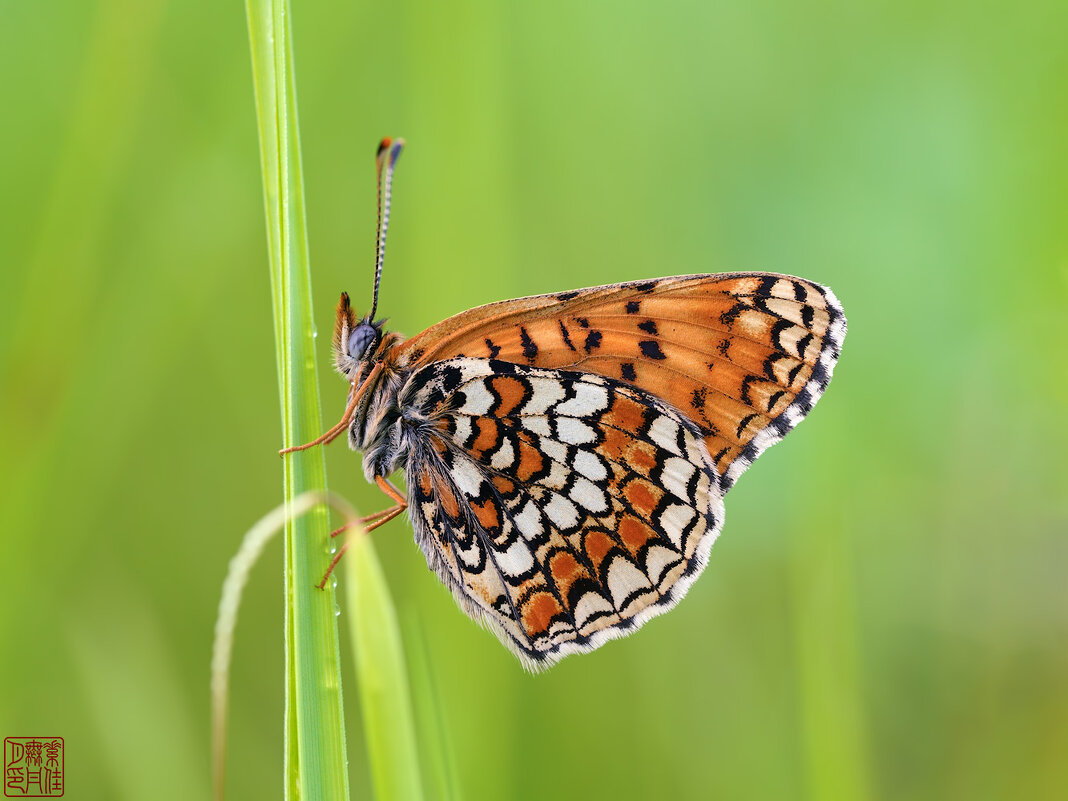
x=567, y=455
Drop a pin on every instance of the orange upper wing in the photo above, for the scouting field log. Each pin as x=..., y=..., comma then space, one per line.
x=743, y=355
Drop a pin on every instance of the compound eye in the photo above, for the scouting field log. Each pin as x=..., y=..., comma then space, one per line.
x=360, y=340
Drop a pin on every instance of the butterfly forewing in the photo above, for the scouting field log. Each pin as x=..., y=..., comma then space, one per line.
x=562, y=508
x=743, y=356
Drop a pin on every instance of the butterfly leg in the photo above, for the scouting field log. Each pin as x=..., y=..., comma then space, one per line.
x=346, y=418
x=365, y=522
x=370, y=522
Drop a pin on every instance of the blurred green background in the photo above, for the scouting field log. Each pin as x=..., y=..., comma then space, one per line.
x=885, y=615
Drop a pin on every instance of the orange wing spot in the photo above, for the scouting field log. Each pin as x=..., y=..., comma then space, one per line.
x=426, y=486
x=635, y=533
x=598, y=544
x=626, y=414
x=642, y=455
x=511, y=392
x=642, y=496
x=729, y=383
x=504, y=485
x=488, y=435
x=447, y=499
x=565, y=570
x=615, y=444
x=538, y=611
x=530, y=462
x=487, y=514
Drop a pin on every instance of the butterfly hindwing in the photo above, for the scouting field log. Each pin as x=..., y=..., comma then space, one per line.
x=561, y=508
x=744, y=356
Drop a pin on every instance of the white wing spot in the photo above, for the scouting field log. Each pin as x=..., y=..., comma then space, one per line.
x=467, y=477
x=588, y=495
x=554, y=449
x=478, y=399
x=588, y=401
x=528, y=521
x=657, y=558
x=463, y=428
x=561, y=512
x=676, y=475
x=472, y=555
x=664, y=432
x=504, y=457
x=547, y=392
x=574, y=431
x=783, y=289
x=674, y=519
x=557, y=477
x=517, y=560
x=791, y=338
x=589, y=464
x=623, y=579
x=538, y=424
x=589, y=605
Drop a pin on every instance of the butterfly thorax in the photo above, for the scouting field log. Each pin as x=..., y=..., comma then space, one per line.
x=378, y=428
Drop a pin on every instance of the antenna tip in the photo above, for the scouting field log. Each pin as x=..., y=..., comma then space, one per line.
x=393, y=146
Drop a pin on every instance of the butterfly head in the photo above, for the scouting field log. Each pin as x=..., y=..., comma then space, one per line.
x=356, y=340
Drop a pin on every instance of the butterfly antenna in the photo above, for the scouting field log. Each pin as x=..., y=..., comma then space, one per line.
x=385, y=160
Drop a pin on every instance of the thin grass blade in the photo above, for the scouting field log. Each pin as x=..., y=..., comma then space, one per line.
x=382, y=676
x=315, y=759
x=434, y=738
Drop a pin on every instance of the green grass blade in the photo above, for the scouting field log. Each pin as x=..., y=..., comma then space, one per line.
x=252, y=545
x=315, y=760
x=382, y=676
x=435, y=738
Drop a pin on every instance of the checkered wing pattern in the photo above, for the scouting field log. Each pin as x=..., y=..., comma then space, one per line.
x=743, y=356
x=561, y=508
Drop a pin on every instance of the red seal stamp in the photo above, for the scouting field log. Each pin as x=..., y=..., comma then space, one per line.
x=33, y=767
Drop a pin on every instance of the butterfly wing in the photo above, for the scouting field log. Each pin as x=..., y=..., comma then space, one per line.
x=744, y=356
x=561, y=508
